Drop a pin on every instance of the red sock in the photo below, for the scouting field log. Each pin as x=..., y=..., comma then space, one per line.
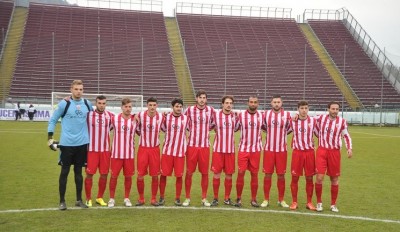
x=254, y=186
x=178, y=187
x=204, y=185
x=128, y=185
x=188, y=185
x=318, y=192
x=216, y=183
x=267, y=187
x=228, y=188
x=154, y=187
x=102, y=186
x=239, y=184
x=294, y=187
x=309, y=189
x=334, y=193
x=281, y=188
x=140, y=188
x=113, y=186
x=163, y=183
x=88, y=188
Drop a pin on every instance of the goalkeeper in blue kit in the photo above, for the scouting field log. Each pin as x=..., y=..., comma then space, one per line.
x=74, y=140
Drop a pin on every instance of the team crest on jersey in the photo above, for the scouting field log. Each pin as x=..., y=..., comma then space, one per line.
x=125, y=128
x=176, y=126
x=309, y=125
x=150, y=126
x=227, y=123
x=283, y=118
x=78, y=107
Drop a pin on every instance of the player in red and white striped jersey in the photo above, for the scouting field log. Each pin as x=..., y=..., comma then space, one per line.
x=223, y=157
x=148, y=157
x=198, y=151
x=277, y=126
x=303, y=155
x=332, y=129
x=99, y=126
x=123, y=151
x=174, y=125
x=250, y=123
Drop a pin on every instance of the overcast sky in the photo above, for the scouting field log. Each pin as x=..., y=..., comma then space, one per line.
x=379, y=18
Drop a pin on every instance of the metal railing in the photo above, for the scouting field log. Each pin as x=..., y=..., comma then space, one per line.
x=141, y=5
x=231, y=10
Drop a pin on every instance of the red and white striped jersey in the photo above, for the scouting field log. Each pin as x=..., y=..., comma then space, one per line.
x=199, y=125
x=99, y=126
x=277, y=126
x=175, y=135
x=331, y=132
x=224, y=126
x=303, y=131
x=250, y=126
x=124, y=137
x=149, y=129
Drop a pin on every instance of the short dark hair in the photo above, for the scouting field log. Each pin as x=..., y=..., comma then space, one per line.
x=302, y=103
x=333, y=103
x=101, y=97
x=276, y=96
x=176, y=100
x=227, y=97
x=151, y=99
x=201, y=92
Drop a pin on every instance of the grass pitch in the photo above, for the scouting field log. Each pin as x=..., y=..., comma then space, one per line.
x=368, y=194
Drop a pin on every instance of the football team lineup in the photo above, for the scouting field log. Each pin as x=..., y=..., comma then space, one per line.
x=85, y=142
x=350, y=201
x=152, y=115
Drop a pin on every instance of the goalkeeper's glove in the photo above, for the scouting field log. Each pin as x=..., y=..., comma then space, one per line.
x=52, y=144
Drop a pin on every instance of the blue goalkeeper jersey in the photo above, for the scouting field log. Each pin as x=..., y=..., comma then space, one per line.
x=74, y=129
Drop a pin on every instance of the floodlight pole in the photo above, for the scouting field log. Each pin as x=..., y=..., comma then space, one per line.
x=226, y=60
x=265, y=75
x=52, y=62
x=98, y=63
x=141, y=84
x=380, y=117
x=98, y=51
x=344, y=73
x=305, y=68
x=3, y=79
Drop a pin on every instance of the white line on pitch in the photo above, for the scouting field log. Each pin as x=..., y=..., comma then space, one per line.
x=216, y=209
x=371, y=137
x=390, y=136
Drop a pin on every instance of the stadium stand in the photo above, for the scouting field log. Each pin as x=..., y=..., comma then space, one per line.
x=361, y=73
x=95, y=45
x=6, y=8
x=205, y=38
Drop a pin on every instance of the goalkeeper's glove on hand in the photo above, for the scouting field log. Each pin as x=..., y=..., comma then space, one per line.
x=52, y=144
